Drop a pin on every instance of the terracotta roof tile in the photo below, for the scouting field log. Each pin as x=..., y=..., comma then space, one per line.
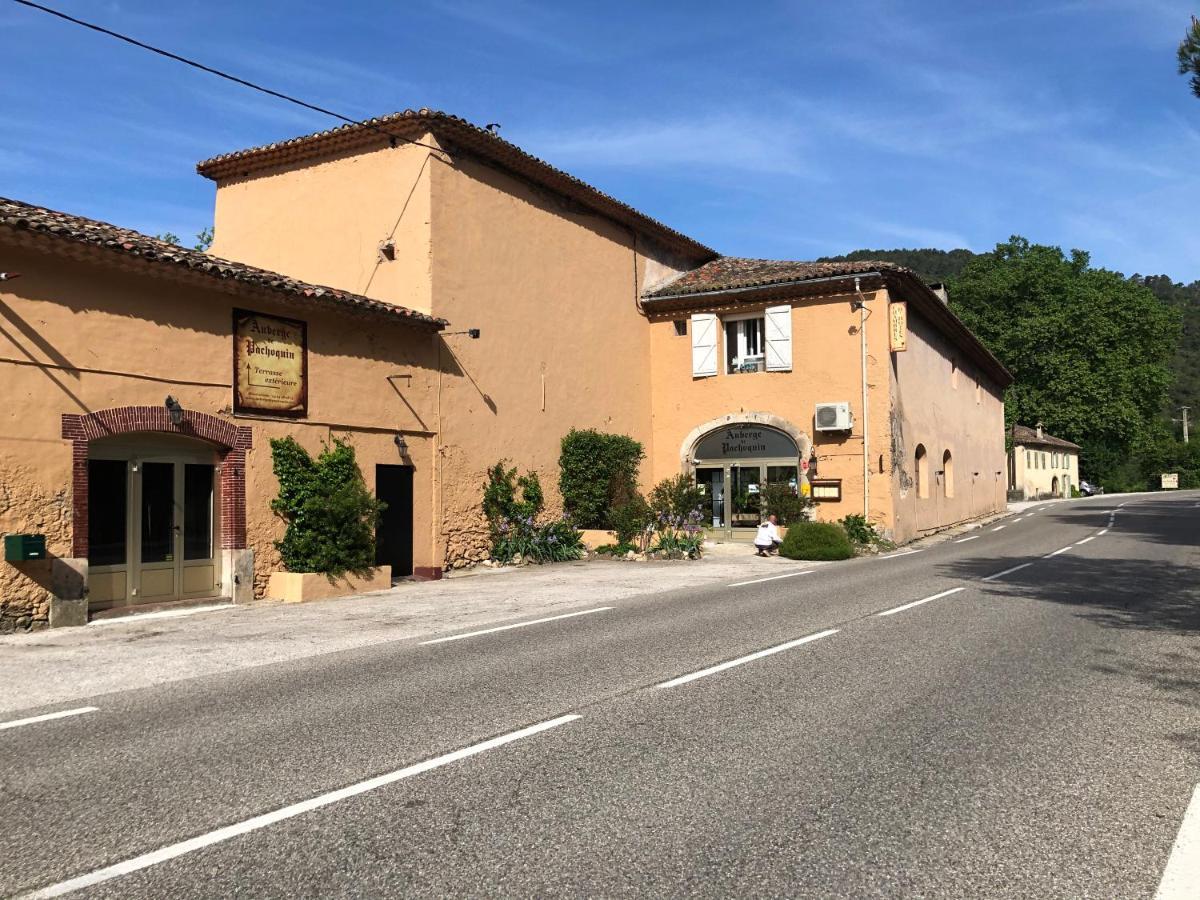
x=19, y=216
x=457, y=134
x=732, y=273
x=1023, y=434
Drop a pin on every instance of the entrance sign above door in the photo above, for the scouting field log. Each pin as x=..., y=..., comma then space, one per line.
x=270, y=365
x=746, y=442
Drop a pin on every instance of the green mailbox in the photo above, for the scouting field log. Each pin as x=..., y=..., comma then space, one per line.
x=22, y=547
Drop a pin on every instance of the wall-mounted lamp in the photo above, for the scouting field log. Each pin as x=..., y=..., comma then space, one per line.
x=9, y=276
x=472, y=333
x=401, y=444
x=174, y=409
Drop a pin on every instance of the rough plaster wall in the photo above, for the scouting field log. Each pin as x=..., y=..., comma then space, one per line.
x=554, y=289
x=28, y=505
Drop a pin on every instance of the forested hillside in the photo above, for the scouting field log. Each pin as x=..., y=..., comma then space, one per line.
x=1096, y=358
x=930, y=264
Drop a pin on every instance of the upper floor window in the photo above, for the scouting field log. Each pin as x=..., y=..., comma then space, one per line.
x=745, y=345
x=752, y=343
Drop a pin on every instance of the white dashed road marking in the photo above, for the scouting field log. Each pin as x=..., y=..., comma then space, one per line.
x=1056, y=552
x=772, y=578
x=1008, y=571
x=459, y=637
x=146, y=860
x=892, y=612
x=17, y=723
x=713, y=670
x=973, y=537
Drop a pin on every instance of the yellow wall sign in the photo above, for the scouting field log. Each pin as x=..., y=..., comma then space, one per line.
x=270, y=365
x=898, y=326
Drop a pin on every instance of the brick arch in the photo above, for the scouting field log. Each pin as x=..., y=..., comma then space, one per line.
x=230, y=441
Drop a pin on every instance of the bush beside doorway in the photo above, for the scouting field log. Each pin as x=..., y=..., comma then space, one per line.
x=816, y=540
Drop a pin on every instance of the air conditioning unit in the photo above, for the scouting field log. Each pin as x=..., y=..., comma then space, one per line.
x=834, y=417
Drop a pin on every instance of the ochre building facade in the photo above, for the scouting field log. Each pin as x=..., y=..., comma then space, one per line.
x=386, y=246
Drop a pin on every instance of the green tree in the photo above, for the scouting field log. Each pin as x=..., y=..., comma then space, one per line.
x=204, y=239
x=1090, y=349
x=1189, y=56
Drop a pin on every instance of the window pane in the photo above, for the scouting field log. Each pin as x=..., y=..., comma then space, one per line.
x=782, y=475
x=106, y=512
x=197, y=511
x=731, y=346
x=158, y=512
x=753, y=336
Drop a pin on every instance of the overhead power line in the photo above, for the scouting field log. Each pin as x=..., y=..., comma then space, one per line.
x=142, y=45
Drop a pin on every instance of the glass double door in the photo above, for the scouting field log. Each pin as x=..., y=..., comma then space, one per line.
x=151, y=531
x=733, y=492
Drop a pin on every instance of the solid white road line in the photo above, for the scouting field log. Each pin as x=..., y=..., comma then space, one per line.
x=904, y=553
x=162, y=614
x=892, y=612
x=772, y=578
x=1008, y=571
x=17, y=723
x=1181, y=878
x=973, y=537
x=1085, y=540
x=1056, y=552
x=713, y=670
x=459, y=637
x=146, y=860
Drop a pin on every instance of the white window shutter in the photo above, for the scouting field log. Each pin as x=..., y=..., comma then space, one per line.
x=778, y=326
x=704, y=345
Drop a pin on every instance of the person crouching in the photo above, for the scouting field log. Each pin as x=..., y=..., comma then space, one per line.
x=766, y=541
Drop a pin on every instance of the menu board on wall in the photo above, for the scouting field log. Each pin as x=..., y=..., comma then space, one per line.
x=270, y=365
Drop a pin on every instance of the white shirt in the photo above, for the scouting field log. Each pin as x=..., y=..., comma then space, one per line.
x=767, y=535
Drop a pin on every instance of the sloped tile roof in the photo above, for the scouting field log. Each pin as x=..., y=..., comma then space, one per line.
x=733, y=272
x=19, y=216
x=1023, y=434
x=456, y=134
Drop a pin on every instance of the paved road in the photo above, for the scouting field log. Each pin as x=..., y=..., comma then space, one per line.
x=1026, y=734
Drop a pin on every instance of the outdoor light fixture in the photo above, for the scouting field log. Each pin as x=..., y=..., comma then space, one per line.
x=174, y=409
x=472, y=333
x=401, y=444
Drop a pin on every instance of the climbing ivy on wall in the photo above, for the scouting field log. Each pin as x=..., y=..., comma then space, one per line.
x=330, y=514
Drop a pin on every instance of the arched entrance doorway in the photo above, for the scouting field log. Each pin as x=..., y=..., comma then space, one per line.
x=1054, y=486
x=159, y=506
x=733, y=463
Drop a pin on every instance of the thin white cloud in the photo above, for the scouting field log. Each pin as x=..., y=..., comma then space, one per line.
x=744, y=144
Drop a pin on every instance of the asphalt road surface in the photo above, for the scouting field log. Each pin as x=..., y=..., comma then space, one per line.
x=1029, y=731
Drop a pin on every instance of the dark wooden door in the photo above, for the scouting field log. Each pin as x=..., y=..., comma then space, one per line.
x=394, y=536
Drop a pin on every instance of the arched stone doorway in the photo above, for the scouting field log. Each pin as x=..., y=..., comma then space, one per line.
x=159, y=508
x=735, y=457
x=1054, y=486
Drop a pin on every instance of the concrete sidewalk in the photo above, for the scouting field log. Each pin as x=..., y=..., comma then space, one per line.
x=58, y=666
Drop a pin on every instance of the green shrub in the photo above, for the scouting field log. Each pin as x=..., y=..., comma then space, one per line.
x=675, y=499
x=500, y=501
x=781, y=500
x=594, y=469
x=630, y=519
x=816, y=540
x=330, y=514
x=858, y=529
x=513, y=523
x=616, y=549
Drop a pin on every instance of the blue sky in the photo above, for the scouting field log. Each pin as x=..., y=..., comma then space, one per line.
x=785, y=130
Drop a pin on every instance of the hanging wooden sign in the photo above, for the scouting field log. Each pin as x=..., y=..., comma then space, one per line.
x=898, y=326
x=270, y=365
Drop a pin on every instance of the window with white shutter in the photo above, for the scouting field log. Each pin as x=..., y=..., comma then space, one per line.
x=704, y=345
x=779, y=338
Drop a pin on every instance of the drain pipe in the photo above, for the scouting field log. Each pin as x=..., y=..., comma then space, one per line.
x=866, y=415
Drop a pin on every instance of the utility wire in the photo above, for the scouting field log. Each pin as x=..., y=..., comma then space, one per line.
x=211, y=71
